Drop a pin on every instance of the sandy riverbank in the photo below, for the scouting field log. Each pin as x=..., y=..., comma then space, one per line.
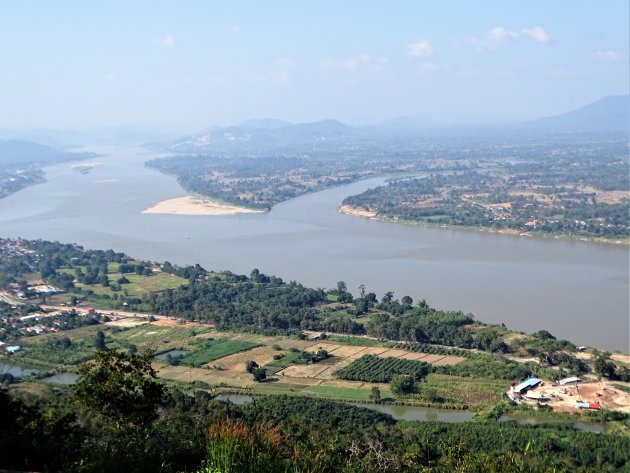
x=189, y=205
x=349, y=210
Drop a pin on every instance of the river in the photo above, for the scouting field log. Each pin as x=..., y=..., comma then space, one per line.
x=574, y=289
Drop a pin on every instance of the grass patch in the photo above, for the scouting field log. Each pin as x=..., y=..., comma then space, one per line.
x=215, y=349
x=349, y=394
x=320, y=392
x=477, y=393
x=356, y=341
x=139, y=285
x=621, y=387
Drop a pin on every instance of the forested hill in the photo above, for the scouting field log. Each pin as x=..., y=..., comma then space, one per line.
x=21, y=163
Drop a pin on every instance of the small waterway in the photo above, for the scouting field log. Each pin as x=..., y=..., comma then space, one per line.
x=430, y=414
x=66, y=379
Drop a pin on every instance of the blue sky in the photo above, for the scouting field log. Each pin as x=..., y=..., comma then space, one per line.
x=190, y=65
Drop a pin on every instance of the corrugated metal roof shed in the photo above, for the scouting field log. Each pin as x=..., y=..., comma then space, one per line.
x=572, y=379
x=528, y=383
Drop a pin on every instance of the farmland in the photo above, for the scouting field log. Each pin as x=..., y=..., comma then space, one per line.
x=218, y=358
x=374, y=369
x=214, y=349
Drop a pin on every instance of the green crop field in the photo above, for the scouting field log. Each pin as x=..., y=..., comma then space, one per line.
x=357, y=341
x=214, y=349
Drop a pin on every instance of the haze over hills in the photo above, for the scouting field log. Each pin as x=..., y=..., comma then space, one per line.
x=265, y=134
x=609, y=113
x=19, y=153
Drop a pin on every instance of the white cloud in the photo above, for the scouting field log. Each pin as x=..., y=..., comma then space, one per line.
x=537, y=33
x=500, y=34
x=609, y=56
x=236, y=29
x=110, y=77
x=167, y=41
x=419, y=48
x=354, y=63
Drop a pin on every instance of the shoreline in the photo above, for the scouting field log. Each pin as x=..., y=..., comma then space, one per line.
x=189, y=205
x=356, y=212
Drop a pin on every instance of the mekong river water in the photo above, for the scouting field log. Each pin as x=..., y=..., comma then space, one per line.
x=574, y=289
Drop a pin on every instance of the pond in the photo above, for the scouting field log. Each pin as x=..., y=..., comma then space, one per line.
x=173, y=353
x=16, y=370
x=62, y=378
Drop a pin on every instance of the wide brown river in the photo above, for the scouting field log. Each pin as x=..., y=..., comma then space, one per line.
x=576, y=290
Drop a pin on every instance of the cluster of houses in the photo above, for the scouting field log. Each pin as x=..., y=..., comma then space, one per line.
x=39, y=291
x=14, y=327
x=13, y=248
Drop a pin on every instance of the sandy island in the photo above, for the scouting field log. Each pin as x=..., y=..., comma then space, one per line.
x=189, y=205
x=349, y=210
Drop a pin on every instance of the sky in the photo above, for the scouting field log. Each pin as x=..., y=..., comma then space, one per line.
x=188, y=65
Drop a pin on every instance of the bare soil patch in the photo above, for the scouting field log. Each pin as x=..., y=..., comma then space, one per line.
x=126, y=322
x=303, y=371
x=236, y=361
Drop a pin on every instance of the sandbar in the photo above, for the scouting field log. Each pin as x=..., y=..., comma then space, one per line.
x=349, y=210
x=189, y=205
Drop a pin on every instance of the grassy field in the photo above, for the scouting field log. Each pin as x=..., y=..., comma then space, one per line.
x=478, y=393
x=215, y=349
x=138, y=284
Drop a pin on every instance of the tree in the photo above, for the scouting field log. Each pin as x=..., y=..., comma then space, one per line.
x=401, y=385
x=250, y=366
x=120, y=387
x=375, y=394
x=260, y=374
x=99, y=342
x=341, y=287
x=603, y=366
x=407, y=301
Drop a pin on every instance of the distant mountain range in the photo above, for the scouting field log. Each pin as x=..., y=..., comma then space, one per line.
x=607, y=114
x=22, y=153
x=265, y=134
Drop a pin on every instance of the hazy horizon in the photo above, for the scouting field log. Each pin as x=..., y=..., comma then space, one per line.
x=186, y=67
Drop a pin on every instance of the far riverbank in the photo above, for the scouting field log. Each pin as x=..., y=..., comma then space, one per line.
x=359, y=212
